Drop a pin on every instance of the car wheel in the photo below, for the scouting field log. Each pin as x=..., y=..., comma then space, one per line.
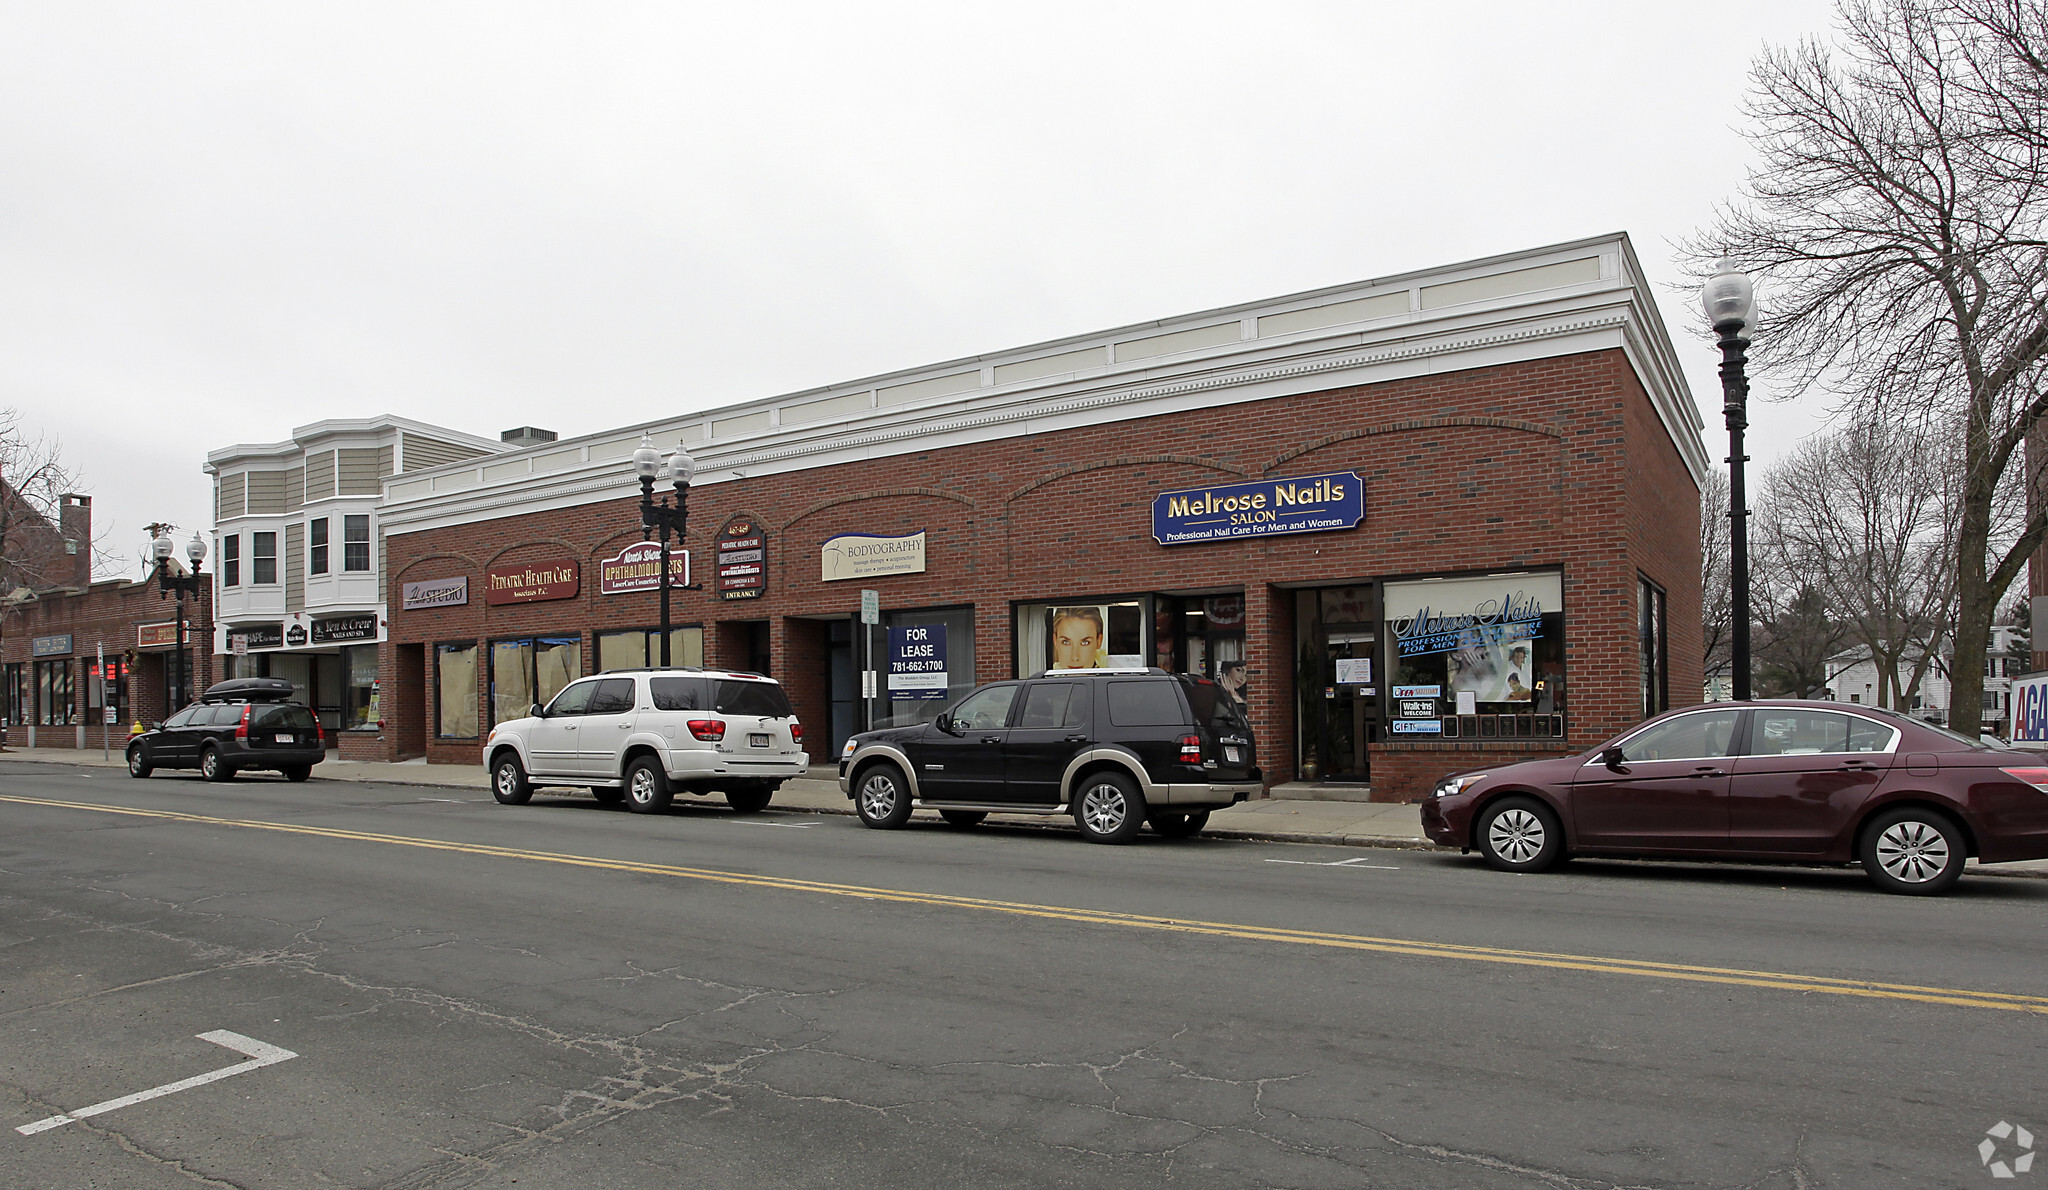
x=508, y=781
x=212, y=767
x=1520, y=834
x=1108, y=808
x=297, y=772
x=881, y=797
x=964, y=817
x=751, y=800
x=647, y=790
x=607, y=795
x=1179, y=826
x=1914, y=851
x=138, y=763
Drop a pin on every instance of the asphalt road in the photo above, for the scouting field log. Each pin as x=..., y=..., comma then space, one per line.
x=564, y=995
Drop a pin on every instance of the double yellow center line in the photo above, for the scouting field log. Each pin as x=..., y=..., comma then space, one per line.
x=1599, y=965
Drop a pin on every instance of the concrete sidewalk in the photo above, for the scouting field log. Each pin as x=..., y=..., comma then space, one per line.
x=1271, y=819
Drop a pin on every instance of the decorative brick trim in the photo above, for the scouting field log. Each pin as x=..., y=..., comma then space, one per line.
x=575, y=551
x=1418, y=423
x=1124, y=461
x=423, y=559
x=836, y=501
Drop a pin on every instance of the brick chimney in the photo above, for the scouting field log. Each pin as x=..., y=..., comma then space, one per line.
x=76, y=525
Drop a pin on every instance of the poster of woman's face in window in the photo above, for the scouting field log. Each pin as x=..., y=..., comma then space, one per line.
x=1078, y=635
x=1493, y=672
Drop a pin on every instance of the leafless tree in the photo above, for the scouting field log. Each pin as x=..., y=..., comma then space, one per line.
x=1896, y=219
x=1716, y=592
x=1867, y=514
x=33, y=480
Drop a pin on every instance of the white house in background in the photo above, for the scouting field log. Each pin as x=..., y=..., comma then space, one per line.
x=1857, y=682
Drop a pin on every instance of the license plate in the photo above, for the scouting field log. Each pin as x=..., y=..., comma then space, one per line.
x=1232, y=755
x=757, y=739
x=284, y=739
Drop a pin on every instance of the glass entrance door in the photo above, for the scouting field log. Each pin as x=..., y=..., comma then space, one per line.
x=1349, y=704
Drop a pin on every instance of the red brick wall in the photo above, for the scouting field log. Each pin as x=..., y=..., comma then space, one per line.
x=1556, y=462
x=106, y=614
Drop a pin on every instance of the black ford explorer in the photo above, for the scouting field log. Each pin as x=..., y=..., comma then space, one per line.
x=1114, y=748
x=242, y=723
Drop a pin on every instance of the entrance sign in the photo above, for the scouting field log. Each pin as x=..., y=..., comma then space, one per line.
x=863, y=555
x=1260, y=508
x=917, y=661
x=532, y=584
x=638, y=568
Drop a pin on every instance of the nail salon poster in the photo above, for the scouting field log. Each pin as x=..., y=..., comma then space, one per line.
x=1484, y=628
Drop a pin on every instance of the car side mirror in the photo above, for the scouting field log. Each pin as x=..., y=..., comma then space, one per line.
x=537, y=711
x=1612, y=757
x=945, y=723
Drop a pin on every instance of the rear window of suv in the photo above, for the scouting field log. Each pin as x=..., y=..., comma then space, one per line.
x=278, y=717
x=1215, y=707
x=736, y=697
x=1145, y=704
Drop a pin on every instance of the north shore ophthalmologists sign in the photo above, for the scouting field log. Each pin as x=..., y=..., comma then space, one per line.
x=1260, y=508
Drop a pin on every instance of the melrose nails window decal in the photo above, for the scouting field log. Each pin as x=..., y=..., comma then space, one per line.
x=1493, y=645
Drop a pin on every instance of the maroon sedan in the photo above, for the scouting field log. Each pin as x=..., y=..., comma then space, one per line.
x=1798, y=782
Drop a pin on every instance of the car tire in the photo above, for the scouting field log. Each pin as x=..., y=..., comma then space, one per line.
x=138, y=762
x=1914, y=851
x=1175, y=825
x=881, y=796
x=1108, y=808
x=607, y=795
x=964, y=818
x=647, y=787
x=508, y=781
x=212, y=767
x=751, y=800
x=1520, y=834
x=296, y=773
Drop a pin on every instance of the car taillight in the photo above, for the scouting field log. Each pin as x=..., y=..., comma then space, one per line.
x=708, y=729
x=242, y=726
x=1191, y=749
x=2038, y=778
x=796, y=733
x=319, y=733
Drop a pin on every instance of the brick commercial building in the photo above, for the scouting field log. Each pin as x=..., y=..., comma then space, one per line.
x=1434, y=521
x=70, y=650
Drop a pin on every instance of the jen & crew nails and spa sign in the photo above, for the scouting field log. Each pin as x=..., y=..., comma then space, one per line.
x=532, y=583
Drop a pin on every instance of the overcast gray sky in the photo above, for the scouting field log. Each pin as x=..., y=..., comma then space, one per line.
x=219, y=221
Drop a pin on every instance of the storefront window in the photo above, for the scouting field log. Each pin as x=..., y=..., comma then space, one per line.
x=53, y=693
x=923, y=661
x=638, y=648
x=359, y=687
x=1084, y=633
x=1199, y=634
x=1650, y=632
x=1488, y=651
x=16, y=693
x=455, y=691
x=529, y=671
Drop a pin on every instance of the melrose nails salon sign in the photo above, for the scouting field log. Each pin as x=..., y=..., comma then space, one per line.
x=532, y=583
x=1261, y=508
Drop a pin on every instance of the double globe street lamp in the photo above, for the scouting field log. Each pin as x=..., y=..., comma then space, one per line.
x=1730, y=303
x=192, y=583
x=663, y=516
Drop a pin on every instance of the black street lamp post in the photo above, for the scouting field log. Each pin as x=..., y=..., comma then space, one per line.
x=661, y=516
x=193, y=584
x=1730, y=302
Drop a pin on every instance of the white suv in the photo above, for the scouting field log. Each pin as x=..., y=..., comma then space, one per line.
x=643, y=735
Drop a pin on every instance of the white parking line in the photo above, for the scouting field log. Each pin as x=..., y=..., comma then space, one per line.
x=1356, y=862
x=261, y=1054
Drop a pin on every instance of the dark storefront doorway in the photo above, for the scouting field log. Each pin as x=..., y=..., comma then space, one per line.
x=1338, y=681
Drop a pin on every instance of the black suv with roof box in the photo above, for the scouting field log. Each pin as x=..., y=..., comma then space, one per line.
x=242, y=723
x=1115, y=748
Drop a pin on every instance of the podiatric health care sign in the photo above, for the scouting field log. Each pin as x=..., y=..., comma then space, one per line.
x=917, y=661
x=1261, y=508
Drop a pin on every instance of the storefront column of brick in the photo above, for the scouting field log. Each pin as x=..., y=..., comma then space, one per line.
x=1555, y=463
x=105, y=615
